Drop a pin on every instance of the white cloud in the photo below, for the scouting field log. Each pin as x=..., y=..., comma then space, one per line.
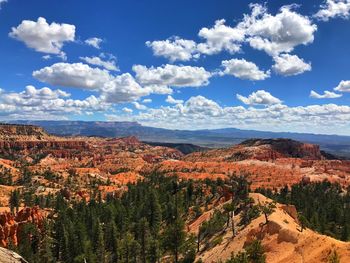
x=139, y=106
x=260, y=97
x=277, y=33
x=147, y=101
x=77, y=75
x=202, y=113
x=113, y=89
x=326, y=95
x=202, y=105
x=96, y=61
x=44, y=37
x=127, y=110
x=174, y=49
x=46, y=103
x=122, y=88
x=171, y=100
x=334, y=8
x=162, y=78
x=94, y=42
x=273, y=34
x=33, y=96
x=240, y=68
x=343, y=86
x=289, y=65
x=46, y=57
x=219, y=38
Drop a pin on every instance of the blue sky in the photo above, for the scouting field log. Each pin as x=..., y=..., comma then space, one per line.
x=274, y=65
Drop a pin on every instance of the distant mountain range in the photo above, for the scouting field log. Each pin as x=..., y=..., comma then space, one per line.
x=339, y=145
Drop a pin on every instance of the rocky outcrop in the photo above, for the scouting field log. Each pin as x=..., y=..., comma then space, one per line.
x=13, y=130
x=39, y=145
x=286, y=148
x=131, y=140
x=8, y=229
x=8, y=256
x=11, y=225
x=282, y=239
x=263, y=150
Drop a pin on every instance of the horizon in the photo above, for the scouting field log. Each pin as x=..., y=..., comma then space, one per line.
x=257, y=65
x=32, y=122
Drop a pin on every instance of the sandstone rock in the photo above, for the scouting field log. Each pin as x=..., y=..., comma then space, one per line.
x=10, y=225
x=8, y=256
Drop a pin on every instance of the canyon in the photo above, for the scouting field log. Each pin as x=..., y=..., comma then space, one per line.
x=74, y=165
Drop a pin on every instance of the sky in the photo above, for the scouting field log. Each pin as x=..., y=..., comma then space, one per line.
x=185, y=64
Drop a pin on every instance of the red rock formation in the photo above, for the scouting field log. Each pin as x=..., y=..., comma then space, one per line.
x=11, y=130
x=10, y=225
x=8, y=229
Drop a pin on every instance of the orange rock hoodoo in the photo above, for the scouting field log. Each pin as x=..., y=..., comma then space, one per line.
x=10, y=225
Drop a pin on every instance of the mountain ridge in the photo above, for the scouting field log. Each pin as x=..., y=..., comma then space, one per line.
x=335, y=144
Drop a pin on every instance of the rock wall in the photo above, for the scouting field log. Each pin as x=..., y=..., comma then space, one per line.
x=11, y=225
x=11, y=130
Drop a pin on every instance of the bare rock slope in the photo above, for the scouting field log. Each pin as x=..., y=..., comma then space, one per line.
x=8, y=256
x=282, y=239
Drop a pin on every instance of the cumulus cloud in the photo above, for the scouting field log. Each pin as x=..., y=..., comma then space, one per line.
x=113, y=89
x=219, y=38
x=139, y=106
x=96, y=61
x=290, y=65
x=123, y=88
x=171, y=100
x=161, y=78
x=260, y=97
x=242, y=69
x=200, y=112
x=44, y=37
x=326, y=95
x=94, y=42
x=274, y=34
x=33, y=96
x=277, y=33
x=343, y=86
x=334, y=8
x=174, y=49
x=77, y=75
x=46, y=103
x=127, y=110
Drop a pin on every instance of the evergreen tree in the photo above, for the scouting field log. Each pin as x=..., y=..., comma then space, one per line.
x=45, y=252
x=29, y=245
x=154, y=251
x=144, y=238
x=303, y=222
x=112, y=241
x=174, y=237
x=154, y=212
x=15, y=201
x=99, y=242
x=267, y=209
x=256, y=252
x=126, y=248
x=240, y=257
